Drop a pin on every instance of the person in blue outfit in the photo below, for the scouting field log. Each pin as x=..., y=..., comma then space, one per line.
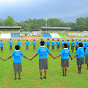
x=48, y=43
x=79, y=54
x=1, y=43
x=72, y=45
x=34, y=44
x=58, y=44
x=43, y=58
x=80, y=41
x=68, y=44
x=53, y=43
x=17, y=60
x=86, y=56
x=19, y=43
x=76, y=44
x=65, y=53
x=10, y=44
x=85, y=45
x=62, y=43
x=27, y=45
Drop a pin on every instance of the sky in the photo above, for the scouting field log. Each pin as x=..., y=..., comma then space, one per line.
x=66, y=10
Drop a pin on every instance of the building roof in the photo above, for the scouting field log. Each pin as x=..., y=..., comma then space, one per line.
x=10, y=26
x=25, y=32
x=63, y=28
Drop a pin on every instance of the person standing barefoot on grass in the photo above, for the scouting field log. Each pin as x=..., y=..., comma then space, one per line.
x=72, y=45
x=10, y=45
x=43, y=61
x=80, y=57
x=17, y=60
x=86, y=57
x=64, y=58
x=58, y=44
x=53, y=44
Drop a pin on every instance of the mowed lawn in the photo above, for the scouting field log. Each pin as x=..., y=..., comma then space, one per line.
x=30, y=75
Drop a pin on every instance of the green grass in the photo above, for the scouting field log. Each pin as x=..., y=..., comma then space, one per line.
x=30, y=75
x=62, y=35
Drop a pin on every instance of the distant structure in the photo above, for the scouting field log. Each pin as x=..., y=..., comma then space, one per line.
x=10, y=31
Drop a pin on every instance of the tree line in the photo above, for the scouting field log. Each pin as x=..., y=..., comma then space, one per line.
x=81, y=24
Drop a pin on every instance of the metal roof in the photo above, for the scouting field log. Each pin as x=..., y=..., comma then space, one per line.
x=25, y=32
x=10, y=26
x=56, y=28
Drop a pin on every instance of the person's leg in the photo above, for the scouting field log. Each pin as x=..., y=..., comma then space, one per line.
x=45, y=71
x=78, y=68
x=19, y=74
x=87, y=66
x=40, y=73
x=15, y=76
x=65, y=70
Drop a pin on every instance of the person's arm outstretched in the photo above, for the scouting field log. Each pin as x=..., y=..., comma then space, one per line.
x=70, y=57
x=2, y=58
x=33, y=56
x=57, y=56
x=51, y=55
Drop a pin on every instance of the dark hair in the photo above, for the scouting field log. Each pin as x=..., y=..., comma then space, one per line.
x=42, y=43
x=65, y=45
x=80, y=45
x=17, y=47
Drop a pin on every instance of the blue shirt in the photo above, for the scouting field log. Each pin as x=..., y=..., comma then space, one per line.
x=76, y=43
x=58, y=42
x=1, y=43
x=79, y=52
x=19, y=43
x=34, y=43
x=53, y=42
x=10, y=43
x=85, y=44
x=48, y=42
x=68, y=43
x=80, y=41
x=72, y=43
x=17, y=56
x=27, y=43
x=62, y=43
x=42, y=51
x=64, y=53
x=86, y=51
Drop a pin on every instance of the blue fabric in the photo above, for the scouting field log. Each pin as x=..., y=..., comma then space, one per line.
x=48, y=42
x=34, y=43
x=68, y=43
x=1, y=43
x=76, y=43
x=62, y=43
x=86, y=51
x=72, y=43
x=10, y=43
x=53, y=42
x=85, y=44
x=64, y=53
x=58, y=42
x=27, y=43
x=80, y=41
x=17, y=56
x=42, y=51
x=19, y=43
x=79, y=52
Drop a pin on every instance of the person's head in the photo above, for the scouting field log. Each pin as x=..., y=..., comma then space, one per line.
x=42, y=43
x=62, y=40
x=72, y=39
x=57, y=39
x=68, y=40
x=80, y=45
x=84, y=40
x=41, y=39
x=27, y=40
x=10, y=39
x=17, y=47
x=48, y=39
x=79, y=39
x=76, y=39
x=19, y=40
x=52, y=39
x=34, y=40
x=1, y=40
x=65, y=45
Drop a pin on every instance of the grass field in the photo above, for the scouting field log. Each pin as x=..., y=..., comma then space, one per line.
x=31, y=77
x=62, y=35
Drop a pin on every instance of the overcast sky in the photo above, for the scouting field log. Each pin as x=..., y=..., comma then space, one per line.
x=67, y=10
